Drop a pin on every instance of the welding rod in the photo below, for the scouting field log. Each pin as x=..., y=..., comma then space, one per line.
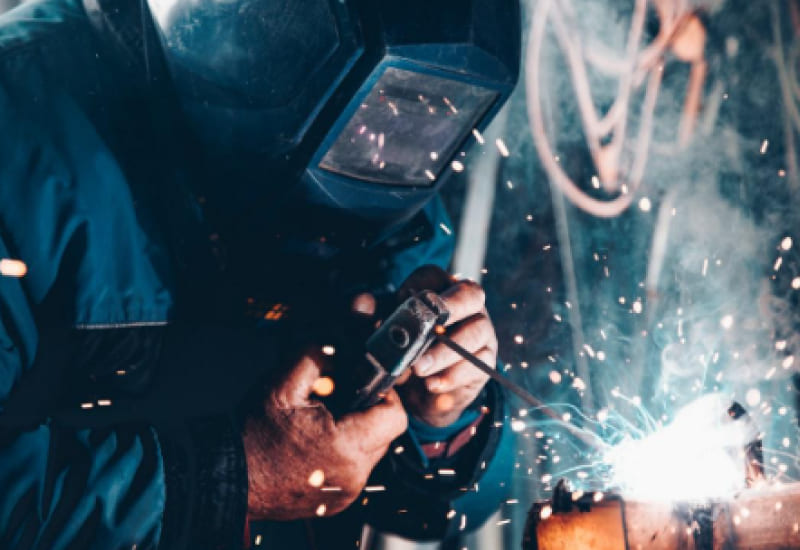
x=584, y=435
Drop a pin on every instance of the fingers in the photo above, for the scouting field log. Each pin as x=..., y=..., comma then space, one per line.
x=364, y=304
x=462, y=374
x=463, y=299
x=377, y=426
x=472, y=335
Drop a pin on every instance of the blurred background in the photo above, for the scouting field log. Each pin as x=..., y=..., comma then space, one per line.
x=633, y=216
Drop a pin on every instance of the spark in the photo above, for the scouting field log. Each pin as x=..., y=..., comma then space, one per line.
x=434, y=155
x=555, y=377
x=103, y=402
x=726, y=322
x=374, y=488
x=317, y=478
x=329, y=350
x=788, y=362
x=321, y=509
x=446, y=229
x=501, y=146
x=595, y=182
x=786, y=243
x=753, y=397
x=517, y=425
x=258, y=540
x=12, y=268
x=430, y=175
x=644, y=204
x=796, y=283
x=450, y=105
x=764, y=146
x=457, y=166
x=323, y=386
x=518, y=339
x=478, y=136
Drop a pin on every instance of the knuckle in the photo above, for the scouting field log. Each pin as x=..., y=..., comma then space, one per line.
x=475, y=292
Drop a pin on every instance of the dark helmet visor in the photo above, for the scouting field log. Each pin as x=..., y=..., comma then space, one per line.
x=407, y=128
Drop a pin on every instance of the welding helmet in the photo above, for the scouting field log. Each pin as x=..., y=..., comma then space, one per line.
x=357, y=106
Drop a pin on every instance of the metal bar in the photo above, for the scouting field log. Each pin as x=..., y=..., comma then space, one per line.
x=587, y=437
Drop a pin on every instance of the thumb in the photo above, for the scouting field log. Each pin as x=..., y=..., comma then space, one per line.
x=377, y=426
x=297, y=386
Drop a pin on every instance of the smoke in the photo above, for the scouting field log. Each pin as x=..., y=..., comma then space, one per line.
x=691, y=287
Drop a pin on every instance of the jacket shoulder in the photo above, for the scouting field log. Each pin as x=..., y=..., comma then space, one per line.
x=40, y=23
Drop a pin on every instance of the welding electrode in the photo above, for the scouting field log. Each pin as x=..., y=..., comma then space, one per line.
x=585, y=436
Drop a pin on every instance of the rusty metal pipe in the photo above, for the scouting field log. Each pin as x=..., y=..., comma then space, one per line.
x=756, y=519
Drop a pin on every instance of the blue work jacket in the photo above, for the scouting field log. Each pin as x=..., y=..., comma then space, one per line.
x=122, y=360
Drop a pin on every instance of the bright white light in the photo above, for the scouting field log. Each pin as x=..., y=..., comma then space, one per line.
x=517, y=425
x=695, y=458
x=786, y=243
x=645, y=205
x=726, y=322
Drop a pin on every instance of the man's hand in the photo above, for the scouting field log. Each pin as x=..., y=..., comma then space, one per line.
x=443, y=384
x=296, y=448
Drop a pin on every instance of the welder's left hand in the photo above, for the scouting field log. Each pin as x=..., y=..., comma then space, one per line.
x=443, y=384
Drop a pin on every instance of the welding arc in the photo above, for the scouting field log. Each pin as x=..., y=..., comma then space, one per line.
x=585, y=436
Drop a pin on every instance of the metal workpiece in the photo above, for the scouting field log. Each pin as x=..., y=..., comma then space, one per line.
x=765, y=518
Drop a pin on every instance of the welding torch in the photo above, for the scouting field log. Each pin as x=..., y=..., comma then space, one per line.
x=587, y=437
x=399, y=341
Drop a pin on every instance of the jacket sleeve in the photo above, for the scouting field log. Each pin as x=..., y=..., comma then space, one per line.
x=84, y=479
x=64, y=487
x=94, y=472
x=437, y=498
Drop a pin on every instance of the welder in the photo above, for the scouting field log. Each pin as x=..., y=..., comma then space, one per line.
x=202, y=191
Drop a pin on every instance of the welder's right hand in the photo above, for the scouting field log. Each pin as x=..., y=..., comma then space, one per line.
x=294, y=438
